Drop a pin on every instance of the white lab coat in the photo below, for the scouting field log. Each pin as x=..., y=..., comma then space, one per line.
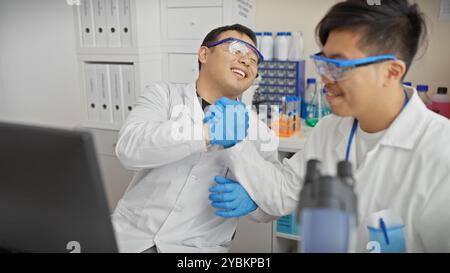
x=167, y=201
x=408, y=172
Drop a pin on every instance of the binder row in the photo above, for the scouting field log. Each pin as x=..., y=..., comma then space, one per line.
x=105, y=23
x=110, y=91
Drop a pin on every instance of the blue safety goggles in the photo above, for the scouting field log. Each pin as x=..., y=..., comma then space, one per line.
x=238, y=47
x=338, y=70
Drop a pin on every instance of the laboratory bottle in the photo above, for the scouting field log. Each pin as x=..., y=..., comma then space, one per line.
x=288, y=38
x=441, y=102
x=314, y=109
x=275, y=45
x=308, y=95
x=267, y=46
x=422, y=91
x=296, y=47
x=281, y=46
x=263, y=113
x=326, y=109
x=258, y=40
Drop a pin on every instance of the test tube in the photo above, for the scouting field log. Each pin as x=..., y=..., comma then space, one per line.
x=289, y=124
x=263, y=113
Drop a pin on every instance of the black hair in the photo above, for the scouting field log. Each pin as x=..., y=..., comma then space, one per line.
x=214, y=34
x=393, y=27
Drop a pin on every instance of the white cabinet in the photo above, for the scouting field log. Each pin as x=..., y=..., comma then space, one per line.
x=192, y=23
x=105, y=141
x=183, y=68
x=125, y=25
x=184, y=24
x=158, y=38
x=252, y=237
x=136, y=72
x=193, y=3
x=130, y=37
x=115, y=177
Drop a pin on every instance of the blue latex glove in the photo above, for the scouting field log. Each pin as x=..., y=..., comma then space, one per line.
x=230, y=198
x=227, y=121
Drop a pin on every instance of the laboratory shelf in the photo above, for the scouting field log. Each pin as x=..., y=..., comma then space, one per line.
x=100, y=125
x=289, y=236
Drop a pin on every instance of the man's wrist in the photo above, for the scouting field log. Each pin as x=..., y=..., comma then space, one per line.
x=206, y=134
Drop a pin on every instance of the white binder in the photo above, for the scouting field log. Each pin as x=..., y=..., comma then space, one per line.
x=92, y=98
x=112, y=22
x=87, y=28
x=103, y=88
x=100, y=23
x=125, y=23
x=128, y=88
x=115, y=78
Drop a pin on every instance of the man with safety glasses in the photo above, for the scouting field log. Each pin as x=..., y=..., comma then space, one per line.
x=177, y=151
x=399, y=149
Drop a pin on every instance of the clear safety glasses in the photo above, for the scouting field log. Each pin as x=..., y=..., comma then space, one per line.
x=338, y=70
x=240, y=48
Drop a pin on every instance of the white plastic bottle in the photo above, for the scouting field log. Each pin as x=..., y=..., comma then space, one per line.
x=288, y=38
x=267, y=46
x=326, y=109
x=296, y=47
x=275, y=44
x=315, y=108
x=263, y=113
x=422, y=91
x=441, y=102
x=258, y=40
x=281, y=46
x=308, y=96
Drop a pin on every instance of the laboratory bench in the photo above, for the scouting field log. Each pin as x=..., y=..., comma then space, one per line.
x=296, y=142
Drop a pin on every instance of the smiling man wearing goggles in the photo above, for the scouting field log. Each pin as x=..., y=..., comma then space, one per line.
x=399, y=148
x=230, y=61
x=166, y=207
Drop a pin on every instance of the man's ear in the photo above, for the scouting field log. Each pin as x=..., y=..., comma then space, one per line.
x=203, y=54
x=395, y=71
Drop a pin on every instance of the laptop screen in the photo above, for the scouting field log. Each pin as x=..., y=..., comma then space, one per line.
x=51, y=192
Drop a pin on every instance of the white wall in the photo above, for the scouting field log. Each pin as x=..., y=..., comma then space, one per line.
x=303, y=15
x=293, y=15
x=434, y=67
x=39, y=80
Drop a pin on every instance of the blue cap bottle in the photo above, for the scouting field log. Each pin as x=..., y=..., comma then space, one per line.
x=422, y=88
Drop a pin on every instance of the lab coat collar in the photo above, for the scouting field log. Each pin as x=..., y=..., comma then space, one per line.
x=407, y=128
x=404, y=132
x=191, y=101
x=344, y=130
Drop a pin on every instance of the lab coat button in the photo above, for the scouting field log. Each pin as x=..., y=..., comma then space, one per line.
x=193, y=177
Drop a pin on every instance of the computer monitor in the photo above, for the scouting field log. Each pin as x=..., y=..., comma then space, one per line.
x=51, y=192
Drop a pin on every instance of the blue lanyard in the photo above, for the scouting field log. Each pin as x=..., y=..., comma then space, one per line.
x=355, y=126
